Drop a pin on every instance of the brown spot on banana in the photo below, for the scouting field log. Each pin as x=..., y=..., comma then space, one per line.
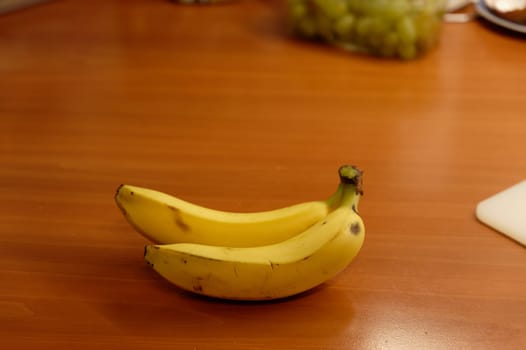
x=273, y=264
x=178, y=219
x=196, y=284
x=197, y=287
x=355, y=228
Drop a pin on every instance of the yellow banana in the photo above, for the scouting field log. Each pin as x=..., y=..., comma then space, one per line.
x=271, y=271
x=165, y=219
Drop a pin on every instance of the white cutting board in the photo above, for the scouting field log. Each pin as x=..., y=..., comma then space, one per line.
x=506, y=212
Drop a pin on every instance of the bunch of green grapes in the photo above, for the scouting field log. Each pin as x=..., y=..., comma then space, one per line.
x=390, y=28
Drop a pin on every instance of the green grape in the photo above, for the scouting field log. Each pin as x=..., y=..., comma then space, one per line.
x=297, y=10
x=406, y=30
x=428, y=28
x=291, y=3
x=363, y=26
x=333, y=9
x=324, y=25
x=407, y=51
x=307, y=27
x=394, y=9
x=389, y=45
x=356, y=6
x=379, y=29
x=344, y=26
x=391, y=40
x=367, y=33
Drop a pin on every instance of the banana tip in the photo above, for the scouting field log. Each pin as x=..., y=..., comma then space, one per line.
x=118, y=189
x=147, y=256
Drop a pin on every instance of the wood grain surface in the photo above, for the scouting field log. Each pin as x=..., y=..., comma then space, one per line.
x=220, y=106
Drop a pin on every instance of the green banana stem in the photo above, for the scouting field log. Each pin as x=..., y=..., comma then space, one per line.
x=350, y=197
x=351, y=178
x=350, y=174
x=334, y=200
x=349, y=189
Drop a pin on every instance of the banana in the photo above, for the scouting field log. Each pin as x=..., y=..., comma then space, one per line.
x=270, y=271
x=165, y=219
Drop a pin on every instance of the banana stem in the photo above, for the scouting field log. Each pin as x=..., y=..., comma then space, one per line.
x=350, y=174
x=351, y=181
x=334, y=200
x=350, y=188
x=350, y=197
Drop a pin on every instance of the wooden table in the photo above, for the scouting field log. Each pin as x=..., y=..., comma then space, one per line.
x=219, y=106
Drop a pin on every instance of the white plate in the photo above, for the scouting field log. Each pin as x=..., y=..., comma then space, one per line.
x=484, y=12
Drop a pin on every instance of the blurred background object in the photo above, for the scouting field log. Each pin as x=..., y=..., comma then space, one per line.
x=397, y=29
x=453, y=5
x=512, y=10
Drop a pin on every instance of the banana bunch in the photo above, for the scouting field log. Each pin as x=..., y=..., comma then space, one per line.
x=248, y=256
